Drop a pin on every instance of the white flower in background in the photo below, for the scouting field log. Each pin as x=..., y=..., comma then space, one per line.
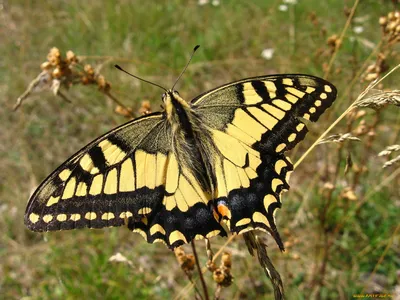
x=290, y=1
x=283, y=7
x=267, y=53
x=215, y=2
x=118, y=257
x=358, y=29
x=202, y=2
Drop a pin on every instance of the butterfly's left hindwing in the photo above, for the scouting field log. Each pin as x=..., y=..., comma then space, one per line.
x=252, y=123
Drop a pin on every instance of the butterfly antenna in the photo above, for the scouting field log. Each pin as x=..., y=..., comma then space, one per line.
x=119, y=68
x=184, y=69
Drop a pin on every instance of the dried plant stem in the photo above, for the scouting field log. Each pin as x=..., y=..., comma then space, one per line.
x=346, y=26
x=319, y=276
x=108, y=94
x=203, y=283
x=384, y=182
x=217, y=293
x=381, y=257
x=109, y=58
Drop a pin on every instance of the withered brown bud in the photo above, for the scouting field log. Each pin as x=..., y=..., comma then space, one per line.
x=226, y=260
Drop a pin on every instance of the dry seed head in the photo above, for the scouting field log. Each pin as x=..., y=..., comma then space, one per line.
x=361, y=129
x=339, y=138
x=71, y=57
x=379, y=99
x=88, y=69
x=286, y=232
x=145, y=107
x=54, y=56
x=85, y=80
x=371, y=76
x=295, y=256
x=123, y=111
x=101, y=81
x=186, y=262
x=347, y=11
x=211, y=266
x=179, y=253
x=323, y=31
x=359, y=114
x=313, y=17
x=54, y=52
x=391, y=26
x=54, y=61
x=328, y=186
x=333, y=41
x=370, y=68
x=103, y=84
x=392, y=162
x=190, y=262
x=46, y=65
x=371, y=133
x=226, y=260
x=348, y=193
x=383, y=21
x=222, y=277
x=218, y=276
x=287, y=244
x=389, y=149
x=57, y=73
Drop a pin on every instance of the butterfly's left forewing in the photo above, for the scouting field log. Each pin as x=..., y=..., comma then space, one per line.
x=105, y=183
x=252, y=123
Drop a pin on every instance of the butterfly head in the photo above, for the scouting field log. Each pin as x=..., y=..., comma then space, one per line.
x=174, y=103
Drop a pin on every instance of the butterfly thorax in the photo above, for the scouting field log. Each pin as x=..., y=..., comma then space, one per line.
x=192, y=143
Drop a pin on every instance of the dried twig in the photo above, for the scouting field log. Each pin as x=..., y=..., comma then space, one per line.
x=203, y=283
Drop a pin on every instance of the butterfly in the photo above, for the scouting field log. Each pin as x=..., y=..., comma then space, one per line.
x=198, y=169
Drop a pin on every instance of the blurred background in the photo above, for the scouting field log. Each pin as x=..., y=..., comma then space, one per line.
x=339, y=221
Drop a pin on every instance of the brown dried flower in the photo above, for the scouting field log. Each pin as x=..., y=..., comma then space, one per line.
x=145, y=107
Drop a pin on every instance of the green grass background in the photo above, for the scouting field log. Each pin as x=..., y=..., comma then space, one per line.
x=154, y=39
